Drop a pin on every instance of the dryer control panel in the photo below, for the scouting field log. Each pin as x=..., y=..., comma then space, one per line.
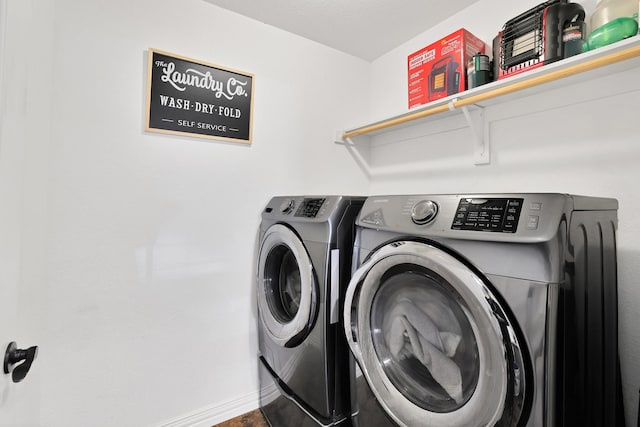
x=480, y=214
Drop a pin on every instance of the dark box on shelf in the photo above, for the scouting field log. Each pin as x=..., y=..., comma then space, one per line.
x=439, y=70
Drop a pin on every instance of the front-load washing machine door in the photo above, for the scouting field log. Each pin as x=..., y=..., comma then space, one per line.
x=287, y=288
x=432, y=340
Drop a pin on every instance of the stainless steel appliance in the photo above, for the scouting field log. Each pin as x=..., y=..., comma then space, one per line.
x=484, y=310
x=304, y=264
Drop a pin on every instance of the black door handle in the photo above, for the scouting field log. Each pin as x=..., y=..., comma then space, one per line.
x=13, y=356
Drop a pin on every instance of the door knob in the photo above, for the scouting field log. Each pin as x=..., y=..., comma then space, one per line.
x=13, y=356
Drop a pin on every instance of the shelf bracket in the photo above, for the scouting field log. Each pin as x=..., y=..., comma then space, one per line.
x=353, y=150
x=480, y=129
x=340, y=140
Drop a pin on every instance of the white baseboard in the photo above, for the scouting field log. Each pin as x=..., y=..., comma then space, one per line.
x=215, y=414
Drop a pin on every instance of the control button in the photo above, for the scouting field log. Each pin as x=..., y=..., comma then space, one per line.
x=287, y=206
x=493, y=215
x=536, y=206
x=424, y=212
x=532, y=223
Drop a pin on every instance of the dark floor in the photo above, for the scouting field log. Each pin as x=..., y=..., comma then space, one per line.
x=250, y=419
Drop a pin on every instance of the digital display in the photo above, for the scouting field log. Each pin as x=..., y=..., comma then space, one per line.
x=477, y=214
x=309, y=208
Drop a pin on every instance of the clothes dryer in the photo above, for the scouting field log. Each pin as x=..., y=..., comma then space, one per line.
x=484, y=310
x=304, y=265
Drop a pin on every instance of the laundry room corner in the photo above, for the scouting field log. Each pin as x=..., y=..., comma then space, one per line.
x=580, y=138
x=160, y=271
x=149, y=239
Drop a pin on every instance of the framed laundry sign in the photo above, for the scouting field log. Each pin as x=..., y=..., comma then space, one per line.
x=190, y=97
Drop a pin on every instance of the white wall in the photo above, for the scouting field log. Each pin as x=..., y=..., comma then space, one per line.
x=580, y=139
x=25, y=121
x=145, y=310
x=137, y=249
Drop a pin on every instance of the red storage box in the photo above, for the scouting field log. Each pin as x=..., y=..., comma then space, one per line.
x=439, y=69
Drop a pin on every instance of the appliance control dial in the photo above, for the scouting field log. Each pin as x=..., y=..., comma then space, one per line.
x=287, y=206
x=424, y=212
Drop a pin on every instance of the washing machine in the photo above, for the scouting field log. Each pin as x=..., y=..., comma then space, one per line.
x=484, y=310
x=304, y=265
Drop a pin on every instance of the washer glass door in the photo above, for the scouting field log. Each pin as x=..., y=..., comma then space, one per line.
x=431, y=340
x=420, y=330
x=286, y=286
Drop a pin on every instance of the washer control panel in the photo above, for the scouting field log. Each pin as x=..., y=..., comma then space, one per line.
x=309, y=208
x=479, y=214
x=424, y=212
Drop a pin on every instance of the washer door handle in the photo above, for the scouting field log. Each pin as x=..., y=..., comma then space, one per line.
x=350, y=316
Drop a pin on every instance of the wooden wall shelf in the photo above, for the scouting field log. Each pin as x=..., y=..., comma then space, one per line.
x=617, y=57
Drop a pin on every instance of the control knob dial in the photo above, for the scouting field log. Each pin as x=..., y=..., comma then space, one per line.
x=287, y=206
x=424, y=212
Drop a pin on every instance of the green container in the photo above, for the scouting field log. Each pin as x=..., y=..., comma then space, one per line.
x=611, y=32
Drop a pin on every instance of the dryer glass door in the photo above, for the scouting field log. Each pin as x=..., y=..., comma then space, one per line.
x=431, y=339
x=286, y=286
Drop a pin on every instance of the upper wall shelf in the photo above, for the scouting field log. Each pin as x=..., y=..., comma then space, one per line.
x=586, y=66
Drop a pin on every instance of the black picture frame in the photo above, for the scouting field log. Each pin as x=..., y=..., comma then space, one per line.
x=186, y=96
